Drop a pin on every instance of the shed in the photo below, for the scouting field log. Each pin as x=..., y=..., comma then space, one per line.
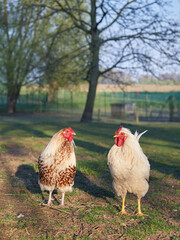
x=123, y=109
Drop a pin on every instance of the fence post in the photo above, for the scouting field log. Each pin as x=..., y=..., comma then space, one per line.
x=57, y=100
x=71, y=92
x=99, y=113
x=147, y=99
x=105, y=102
x=63, y=98
x=137, y=117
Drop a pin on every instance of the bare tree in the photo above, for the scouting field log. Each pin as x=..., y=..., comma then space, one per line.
x=127, y=34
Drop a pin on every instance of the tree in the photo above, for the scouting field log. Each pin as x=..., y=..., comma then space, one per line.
x=33, y=48
x=65, y=60
x=19, y=42
x=127, y=34
x=115, y=77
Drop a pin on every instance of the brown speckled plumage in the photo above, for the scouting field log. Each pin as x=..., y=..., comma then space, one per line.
x=57, y=165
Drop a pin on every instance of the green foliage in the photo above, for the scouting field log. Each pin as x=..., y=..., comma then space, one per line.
x=35, y=48
x=21, y=39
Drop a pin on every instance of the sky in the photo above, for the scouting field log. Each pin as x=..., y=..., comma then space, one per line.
x=176, y=8
x=174, y=13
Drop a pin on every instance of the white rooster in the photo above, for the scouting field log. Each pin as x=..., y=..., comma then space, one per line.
x=57, y=164
x=129, y=166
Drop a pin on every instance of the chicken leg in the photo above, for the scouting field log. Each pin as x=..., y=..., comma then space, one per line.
x=50, y=198
x=62, y=199
x=123, y=211
x=139, y=213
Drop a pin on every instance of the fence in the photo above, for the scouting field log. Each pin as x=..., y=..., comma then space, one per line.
x=152, y=106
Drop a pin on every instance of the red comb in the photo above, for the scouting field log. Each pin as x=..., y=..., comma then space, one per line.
x=118, y=131
x=71, y=129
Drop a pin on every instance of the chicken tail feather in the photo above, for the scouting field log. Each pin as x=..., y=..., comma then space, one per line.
x=138, y=135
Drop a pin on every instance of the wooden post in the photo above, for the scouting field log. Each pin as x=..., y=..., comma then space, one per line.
x=99, y=113
x=71, y=100
x=105, y=102
x=137, y=117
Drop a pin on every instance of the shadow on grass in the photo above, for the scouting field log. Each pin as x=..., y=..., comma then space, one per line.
x=91, y=146
x=102, y=130
x=27, y=174
x=18, y=129
x=160, y=145
x=86, y=185
x=165, y=168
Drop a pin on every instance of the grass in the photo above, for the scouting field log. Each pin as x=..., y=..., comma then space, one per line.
x=92, y=210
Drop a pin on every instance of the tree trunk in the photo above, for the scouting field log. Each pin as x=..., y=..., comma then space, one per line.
x=53, y=93
x=88, y=111
x=94, y=68
x=93, y=81
x=12, y=98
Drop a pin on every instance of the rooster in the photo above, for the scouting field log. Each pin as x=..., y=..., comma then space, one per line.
x=129, y=167
x=57, y=164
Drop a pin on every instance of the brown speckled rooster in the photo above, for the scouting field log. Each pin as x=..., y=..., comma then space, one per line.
x=57, y=164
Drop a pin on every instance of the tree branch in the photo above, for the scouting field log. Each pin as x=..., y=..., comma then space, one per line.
x=118, y=15
x=77, y=22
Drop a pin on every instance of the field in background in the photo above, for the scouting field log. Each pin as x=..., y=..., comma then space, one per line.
x=92, y=210
x=150, y=106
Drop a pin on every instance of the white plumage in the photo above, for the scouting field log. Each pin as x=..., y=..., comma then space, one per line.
x=129, y=166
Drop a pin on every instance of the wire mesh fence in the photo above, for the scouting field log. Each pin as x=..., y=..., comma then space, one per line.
x=147, y=106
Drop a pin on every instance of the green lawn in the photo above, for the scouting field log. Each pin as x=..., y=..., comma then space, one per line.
x=92, y=210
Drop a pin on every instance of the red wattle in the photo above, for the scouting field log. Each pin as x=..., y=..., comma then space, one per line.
x=119, y=141
x=70, y=138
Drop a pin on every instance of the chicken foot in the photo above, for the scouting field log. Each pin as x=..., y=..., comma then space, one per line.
x=49, y=200
x=139, y=213
x=123, y=211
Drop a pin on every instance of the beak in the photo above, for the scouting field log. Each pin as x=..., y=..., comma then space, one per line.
x=73, y=133
x=115, y=136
